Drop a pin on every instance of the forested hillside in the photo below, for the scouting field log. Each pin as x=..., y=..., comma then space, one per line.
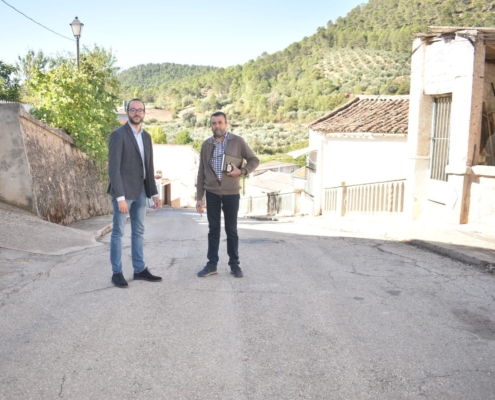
x=366, y=52
x=152, y=76
x=389, y=24
x=296, y=84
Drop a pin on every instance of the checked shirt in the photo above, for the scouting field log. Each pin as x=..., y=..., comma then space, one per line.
x=218, y=152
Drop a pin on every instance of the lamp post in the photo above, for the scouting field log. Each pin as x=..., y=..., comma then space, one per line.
x=76, y=30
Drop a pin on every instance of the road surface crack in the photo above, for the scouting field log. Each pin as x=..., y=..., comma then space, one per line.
x=172, y=263
x=97, y=290
x=62, y=387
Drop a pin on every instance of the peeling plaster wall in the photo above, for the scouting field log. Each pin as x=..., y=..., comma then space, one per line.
x=59, y=181
x=444, y=67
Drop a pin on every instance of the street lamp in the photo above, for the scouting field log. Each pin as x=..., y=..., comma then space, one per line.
x=76, y=30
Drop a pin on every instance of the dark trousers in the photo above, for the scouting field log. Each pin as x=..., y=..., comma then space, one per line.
x=230, y=206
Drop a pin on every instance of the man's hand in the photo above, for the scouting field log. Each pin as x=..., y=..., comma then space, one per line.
x=199, y=207
x=122, y=204
x=156, y=202
x=235, y=171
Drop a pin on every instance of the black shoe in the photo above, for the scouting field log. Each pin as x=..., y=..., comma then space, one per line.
x=119, y=280
x=146, y=275
x=236, y=271
x=207, y=271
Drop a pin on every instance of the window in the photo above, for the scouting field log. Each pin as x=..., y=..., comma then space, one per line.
x=440, y=141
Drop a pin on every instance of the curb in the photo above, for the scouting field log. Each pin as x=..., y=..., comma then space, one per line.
x=268, y=218
x=456, y=255
x=487, y=264
x=103, y=231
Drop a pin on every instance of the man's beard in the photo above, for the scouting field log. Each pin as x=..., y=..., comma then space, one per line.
x=219, y=133
x=139, y=119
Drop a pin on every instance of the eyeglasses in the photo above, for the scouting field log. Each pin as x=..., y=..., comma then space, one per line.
x=136, y=110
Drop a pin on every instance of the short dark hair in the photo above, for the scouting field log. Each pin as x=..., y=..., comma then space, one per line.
x=136, y=99
x=218, y=114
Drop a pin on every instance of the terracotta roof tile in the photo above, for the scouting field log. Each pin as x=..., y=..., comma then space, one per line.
x=367, y=114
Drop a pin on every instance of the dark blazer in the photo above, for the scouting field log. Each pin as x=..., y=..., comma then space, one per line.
x=125, y=165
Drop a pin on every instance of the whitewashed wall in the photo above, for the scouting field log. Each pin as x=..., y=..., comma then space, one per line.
x=179, y=163
x=361, y=160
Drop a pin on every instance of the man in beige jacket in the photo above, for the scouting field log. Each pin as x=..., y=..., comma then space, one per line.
x=222, y=190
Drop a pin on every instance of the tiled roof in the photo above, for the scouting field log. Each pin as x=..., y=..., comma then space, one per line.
x=301, y=173
x=274, y=164
x=367, y=114
x=271, y=181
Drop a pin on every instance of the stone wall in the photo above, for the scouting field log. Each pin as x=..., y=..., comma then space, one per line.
x=43, y=171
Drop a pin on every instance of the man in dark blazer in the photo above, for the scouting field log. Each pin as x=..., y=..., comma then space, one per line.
x=132, y=181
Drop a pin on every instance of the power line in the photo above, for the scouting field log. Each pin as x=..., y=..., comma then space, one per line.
x=65, y=37
x=398, y=72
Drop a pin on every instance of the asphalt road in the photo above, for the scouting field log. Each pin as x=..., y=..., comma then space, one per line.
x=318, y=315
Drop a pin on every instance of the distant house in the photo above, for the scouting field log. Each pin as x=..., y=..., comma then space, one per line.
x=121, y=114
x=300, y=177
x=361, y=142
x=122, y=118
x=268, y=182
x=276, y=166
x=177, y=167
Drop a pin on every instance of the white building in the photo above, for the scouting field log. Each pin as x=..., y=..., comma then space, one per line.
x=362, y=142
x=178, y=167
x=268, y=182
x=451, y=163
x=276, y=166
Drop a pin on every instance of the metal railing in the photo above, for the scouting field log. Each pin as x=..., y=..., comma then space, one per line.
x=244, y=205
x=292, y=203
x=259, y=205
x=377, y=198
x=330, y=200
x=440, y=141
x=281, y=203
x=286, y=203
x=369, y=199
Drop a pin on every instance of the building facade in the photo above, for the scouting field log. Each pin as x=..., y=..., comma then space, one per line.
x=451, y=157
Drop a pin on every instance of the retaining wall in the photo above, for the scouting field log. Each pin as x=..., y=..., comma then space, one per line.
x=43, y=171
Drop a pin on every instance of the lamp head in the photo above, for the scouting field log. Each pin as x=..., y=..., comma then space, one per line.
x=76, y=26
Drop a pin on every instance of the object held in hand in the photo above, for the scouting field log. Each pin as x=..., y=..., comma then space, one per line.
x=229, y=161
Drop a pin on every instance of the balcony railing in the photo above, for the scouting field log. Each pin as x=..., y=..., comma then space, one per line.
x=297, y=202
x=370, y=199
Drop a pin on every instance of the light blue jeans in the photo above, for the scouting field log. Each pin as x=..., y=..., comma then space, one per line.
x=137, y=211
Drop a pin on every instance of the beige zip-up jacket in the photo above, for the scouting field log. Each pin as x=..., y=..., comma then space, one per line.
x=208, y=180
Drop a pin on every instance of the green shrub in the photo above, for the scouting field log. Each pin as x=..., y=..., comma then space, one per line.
x=157, y=135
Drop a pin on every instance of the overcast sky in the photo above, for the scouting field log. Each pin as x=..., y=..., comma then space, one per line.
x=217, y=32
